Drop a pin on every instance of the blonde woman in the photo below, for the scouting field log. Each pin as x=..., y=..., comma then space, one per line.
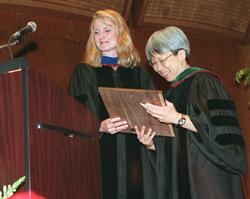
x=111, y=60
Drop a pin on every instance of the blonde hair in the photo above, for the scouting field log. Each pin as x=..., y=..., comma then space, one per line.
x=127, y=53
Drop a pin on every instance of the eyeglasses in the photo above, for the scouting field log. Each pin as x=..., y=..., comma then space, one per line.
x=162, y=62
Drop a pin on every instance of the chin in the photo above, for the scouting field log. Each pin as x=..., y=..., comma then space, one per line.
x=168, y=79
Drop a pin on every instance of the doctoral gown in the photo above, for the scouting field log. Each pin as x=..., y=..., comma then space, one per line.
x=120, y=153
x=209, y=163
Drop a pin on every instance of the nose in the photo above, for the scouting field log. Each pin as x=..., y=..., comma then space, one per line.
x=102, y=35
x=158, y=67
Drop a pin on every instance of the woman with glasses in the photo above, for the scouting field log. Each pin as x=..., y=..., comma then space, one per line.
x=207, y=156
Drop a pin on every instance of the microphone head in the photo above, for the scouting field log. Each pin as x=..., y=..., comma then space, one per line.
x=32, y=25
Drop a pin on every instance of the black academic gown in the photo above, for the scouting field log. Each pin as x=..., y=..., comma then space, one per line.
x=204, y=165
x=120, y=153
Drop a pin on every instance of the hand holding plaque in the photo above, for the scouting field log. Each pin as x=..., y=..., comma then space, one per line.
x=128, y=105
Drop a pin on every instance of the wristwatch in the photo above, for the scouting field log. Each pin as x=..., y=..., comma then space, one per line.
x=181, y=121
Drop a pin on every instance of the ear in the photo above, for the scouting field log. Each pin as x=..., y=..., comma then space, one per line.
x=182, y=54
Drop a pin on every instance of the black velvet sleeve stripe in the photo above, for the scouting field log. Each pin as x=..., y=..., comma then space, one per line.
x=226, y=139
x=220, y=104
x=224, y=121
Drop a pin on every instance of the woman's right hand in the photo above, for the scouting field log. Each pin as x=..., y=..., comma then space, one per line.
x=145, y=138
x=113, y=125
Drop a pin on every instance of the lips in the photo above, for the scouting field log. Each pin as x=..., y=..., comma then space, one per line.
x=103, y=42
x=164, y=73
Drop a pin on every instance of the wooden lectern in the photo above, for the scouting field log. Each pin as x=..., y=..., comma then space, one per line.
x=47, y=136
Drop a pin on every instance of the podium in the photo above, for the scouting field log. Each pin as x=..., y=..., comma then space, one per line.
x=47, y=136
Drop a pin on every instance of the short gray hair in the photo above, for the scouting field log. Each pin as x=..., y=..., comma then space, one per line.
x=170, y=39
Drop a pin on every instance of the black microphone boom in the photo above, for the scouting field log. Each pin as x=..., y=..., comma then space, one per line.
x=30, y=27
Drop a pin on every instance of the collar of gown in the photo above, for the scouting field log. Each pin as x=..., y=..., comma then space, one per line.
x=189, y=72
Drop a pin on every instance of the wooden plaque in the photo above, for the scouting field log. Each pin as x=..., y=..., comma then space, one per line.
x=125, y=103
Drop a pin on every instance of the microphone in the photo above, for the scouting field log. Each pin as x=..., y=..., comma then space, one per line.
x=30, y=27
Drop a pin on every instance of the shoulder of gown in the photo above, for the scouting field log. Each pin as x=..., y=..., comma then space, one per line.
x=146, y=81
x=82, y=76
x=214, y=115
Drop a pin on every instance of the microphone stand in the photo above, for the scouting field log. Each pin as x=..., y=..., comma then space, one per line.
x=11, y=44
x=12, y=41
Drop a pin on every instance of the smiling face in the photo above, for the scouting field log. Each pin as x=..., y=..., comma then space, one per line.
x=106, y=37
x=169, y=65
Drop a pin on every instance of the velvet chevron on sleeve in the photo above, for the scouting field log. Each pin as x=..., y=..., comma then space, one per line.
x=221, y=139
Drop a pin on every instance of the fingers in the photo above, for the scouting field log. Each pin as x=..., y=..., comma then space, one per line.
x=158, y=112
x=114, y=125
x=145, y=137
x=140, y=133
x=114, y=119
x=118, y=127
x=153, y=109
